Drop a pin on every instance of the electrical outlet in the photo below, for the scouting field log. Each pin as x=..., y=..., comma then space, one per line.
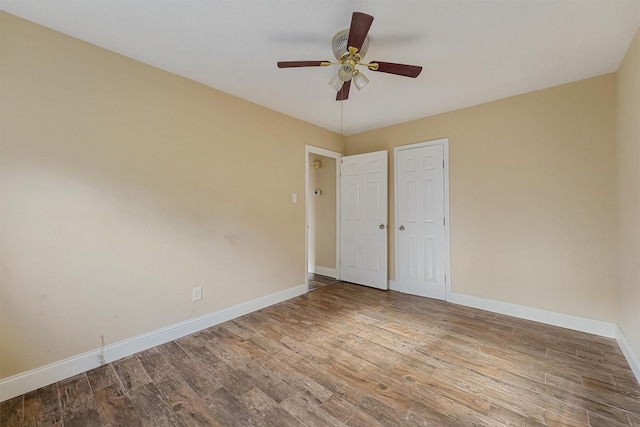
x=197, y=293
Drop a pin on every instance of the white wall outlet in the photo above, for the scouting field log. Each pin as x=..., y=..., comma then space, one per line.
x=197, y=293
x=294, y=197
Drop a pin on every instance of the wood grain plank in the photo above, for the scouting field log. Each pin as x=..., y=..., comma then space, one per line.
x=355, y=356
x=349, y=414
x=152, y=407
x=163, y=374
x=78, y=405
x=102, y=377
x=191, y=410
x=265, y=410
x=634, y=419
x=595, y=399
x=115, y=407
x=309, y=412
x=42, y=407
x=12, y=412
x=131, y=372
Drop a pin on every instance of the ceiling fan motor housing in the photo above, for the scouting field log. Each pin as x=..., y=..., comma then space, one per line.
x=340, y=48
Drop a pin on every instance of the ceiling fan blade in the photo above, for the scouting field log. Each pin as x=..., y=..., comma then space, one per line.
x=398, y=69
x=292, y=64
x=343, y=93
x=360, y=24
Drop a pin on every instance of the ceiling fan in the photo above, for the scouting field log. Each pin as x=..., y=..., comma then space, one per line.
x=349, y=47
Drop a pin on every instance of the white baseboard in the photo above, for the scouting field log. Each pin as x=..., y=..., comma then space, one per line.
x=49, y=374
x=393, y=285
x=629, y=354
x=325, y=271
x=568, y=321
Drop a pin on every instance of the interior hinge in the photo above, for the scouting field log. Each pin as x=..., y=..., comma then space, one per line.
x=444, y=220
x=443, y=164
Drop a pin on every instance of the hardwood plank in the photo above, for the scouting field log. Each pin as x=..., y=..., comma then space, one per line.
x=153, y=409
x=232, y=380
x=115, y=407
x=602, y=396
x=349, y=414
x=275, y=348
x=354, y=356
x=194, y=346
x=270, y=382
x=309, y=412
x=553, y=392
x=12, y=412
x=600, y=420
x=196, y=375
x=42, y=407
x=191, y=410
x=265, y=410
x=163, y=374
x=524, y=389
x=386, y=414
x=337, y=385
x=554, y=419
x=78, y=405
x=510, y=418
x=425, y=414
x=372, y=387
x=131, y=372
x=228, y=410
x=102, y=377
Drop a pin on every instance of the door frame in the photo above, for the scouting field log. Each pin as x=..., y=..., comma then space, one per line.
x=444, y=142
x=308, y=194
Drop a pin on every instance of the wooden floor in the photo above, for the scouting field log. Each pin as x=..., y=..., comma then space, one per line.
x=316, y=281
x=350, y=355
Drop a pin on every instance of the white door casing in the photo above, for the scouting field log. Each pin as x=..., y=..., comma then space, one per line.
x=421, y=231
x=309, y=149
x=363, y=219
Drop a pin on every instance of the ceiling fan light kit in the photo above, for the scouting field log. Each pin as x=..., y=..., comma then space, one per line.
x=349, y=46
x=336, y=82
x=360, y=80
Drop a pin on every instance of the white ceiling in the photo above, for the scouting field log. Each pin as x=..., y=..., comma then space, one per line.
x=472, y=51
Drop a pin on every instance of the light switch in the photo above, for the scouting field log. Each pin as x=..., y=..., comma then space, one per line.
x=294, y=197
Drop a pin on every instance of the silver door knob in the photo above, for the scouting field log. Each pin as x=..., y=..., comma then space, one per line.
x=381, y=226
x=401, y=227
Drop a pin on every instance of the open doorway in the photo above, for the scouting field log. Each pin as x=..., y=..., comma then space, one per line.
x=322, y=208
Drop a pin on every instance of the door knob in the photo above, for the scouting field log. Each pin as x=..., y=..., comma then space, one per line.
x=401, y=227
x=381, y=226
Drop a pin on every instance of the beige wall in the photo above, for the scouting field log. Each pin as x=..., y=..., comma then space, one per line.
x=322, y=227
x=123, y=187
x=532, y=196
x=629, y=193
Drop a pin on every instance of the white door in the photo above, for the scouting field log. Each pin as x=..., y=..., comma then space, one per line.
x=420, y=221
x=363, y=219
